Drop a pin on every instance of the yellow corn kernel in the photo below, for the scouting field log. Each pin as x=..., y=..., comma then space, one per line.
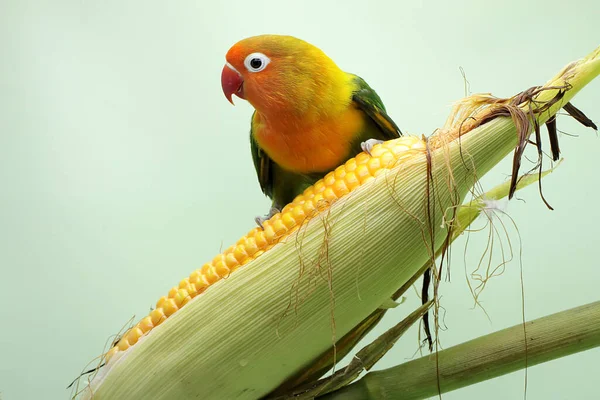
x=298, y=213
x=202, y=285
x=203, y=281
x=123, y=344
x=133, y=335
x=351, y=181
x=169, y=307
x=230, y=260
x=221, y=269
x=362, y=158
x=261, y=240
x=251, y=246
x=240, y=253
x=329, y=195
x=279, y=227
x=211, y=275
x=362, y=172
x=269, y=233
x=318, y=187
x=250, y=234
x=207, y=267
x=308, y=207
x=215, y=260
x=329, y=179
x=377, y=151
x=195, y=276
x=287, y=209
x=184, y=283
x=350, y=165
x=181, y=298
x=288, y=220
x=374, y=164
x=158, y=316
x=339, y=173
x=387, y=159
x=161, y=301
x=308, y=193
x=341, y=181
x=146, y=324
x=340, y=188
x=317, y=199
x=192, y=290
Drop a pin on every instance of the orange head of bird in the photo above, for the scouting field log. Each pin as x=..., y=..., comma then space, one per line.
x=276, y=73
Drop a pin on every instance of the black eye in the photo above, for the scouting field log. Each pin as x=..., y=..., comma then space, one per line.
x=256, y=63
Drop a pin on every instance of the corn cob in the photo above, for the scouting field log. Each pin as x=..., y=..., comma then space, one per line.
x=343, y=180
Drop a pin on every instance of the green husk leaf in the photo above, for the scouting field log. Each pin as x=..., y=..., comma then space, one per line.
x=486, y=357
x=466, y=215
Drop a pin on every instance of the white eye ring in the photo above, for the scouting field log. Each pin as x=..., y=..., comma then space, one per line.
x=256, y=62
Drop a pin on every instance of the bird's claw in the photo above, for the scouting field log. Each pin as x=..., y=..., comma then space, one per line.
x=260, y=220
x=368, y=145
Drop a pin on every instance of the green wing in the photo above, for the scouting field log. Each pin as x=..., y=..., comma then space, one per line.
x=282, y=185
x=263, y=165
x=367, y=100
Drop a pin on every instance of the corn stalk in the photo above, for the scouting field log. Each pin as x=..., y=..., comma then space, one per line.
x=270, y=319
x=486, y=357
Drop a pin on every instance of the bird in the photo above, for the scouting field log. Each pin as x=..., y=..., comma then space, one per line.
x=309, y=115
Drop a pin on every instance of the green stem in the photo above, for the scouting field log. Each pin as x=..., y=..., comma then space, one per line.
x=551, y=337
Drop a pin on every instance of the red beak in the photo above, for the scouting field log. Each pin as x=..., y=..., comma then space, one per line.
x=232, y=83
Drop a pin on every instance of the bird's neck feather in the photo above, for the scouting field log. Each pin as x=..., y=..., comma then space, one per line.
x=304, y=100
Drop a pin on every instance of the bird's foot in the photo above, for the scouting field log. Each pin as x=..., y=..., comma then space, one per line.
x=368, y=145
x=260, y=220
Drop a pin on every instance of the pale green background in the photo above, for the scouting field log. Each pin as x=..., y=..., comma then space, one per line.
x=123, y=168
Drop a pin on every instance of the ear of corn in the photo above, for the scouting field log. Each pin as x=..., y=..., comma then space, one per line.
x=306, y=283
x=336, y=184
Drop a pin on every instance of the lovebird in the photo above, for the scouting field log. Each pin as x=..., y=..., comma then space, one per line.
x=310, y=116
